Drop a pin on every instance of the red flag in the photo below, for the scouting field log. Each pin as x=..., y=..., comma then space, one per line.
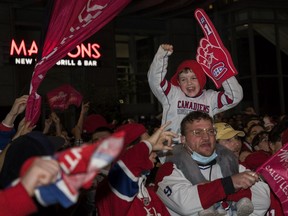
x=71, y=23
x=275, y=172
x=79, y=166
x=63, y=96
x=212, y=55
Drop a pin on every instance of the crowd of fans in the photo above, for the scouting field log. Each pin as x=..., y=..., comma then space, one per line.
x=252, y=138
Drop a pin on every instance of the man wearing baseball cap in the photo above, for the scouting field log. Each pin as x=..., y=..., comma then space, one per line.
x=231, y=139
x=228, y=137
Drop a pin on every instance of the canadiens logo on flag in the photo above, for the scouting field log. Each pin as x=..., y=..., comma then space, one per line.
x=64, y=96
x=275, y=172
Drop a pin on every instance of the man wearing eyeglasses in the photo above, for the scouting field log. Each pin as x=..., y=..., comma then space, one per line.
x=204, y=178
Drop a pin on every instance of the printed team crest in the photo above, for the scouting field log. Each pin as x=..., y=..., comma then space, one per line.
x=212, y=55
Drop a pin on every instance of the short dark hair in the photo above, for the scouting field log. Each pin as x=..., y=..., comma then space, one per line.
x=252, y=126
x=194, y=116
x=258, y=138
x=185, y=70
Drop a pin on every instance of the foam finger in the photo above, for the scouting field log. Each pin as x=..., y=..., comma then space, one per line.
x=208, y=28
x=202, y=60
x=204, y=43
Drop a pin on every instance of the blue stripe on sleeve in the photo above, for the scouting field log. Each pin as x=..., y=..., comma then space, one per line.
x=121, y=182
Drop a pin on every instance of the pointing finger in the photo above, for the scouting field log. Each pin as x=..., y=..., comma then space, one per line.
x=208, y=28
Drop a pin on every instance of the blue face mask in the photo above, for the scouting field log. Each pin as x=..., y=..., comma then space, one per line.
x=202, y=159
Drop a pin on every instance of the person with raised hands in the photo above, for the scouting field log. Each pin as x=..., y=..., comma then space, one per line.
x=124, y=192
x=7, y=130
x=78, y=129
x=186, y=92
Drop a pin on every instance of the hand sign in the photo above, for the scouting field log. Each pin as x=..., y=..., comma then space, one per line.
x=212, y=55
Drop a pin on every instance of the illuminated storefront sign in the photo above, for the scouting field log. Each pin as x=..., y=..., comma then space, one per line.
x=83, y=55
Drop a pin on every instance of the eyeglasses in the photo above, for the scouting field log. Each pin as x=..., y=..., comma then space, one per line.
x=202, y=132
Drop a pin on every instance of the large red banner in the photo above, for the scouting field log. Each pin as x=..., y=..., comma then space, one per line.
x=275, y=172
x=71, y=23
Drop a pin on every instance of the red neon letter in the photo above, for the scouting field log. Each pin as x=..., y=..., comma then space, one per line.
x=33, y=48
x=84, y=50
x=18, y=50
x=76, y=54
x=95, y=48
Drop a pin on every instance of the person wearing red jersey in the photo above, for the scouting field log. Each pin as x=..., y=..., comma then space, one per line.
x=124, y=192
x=17, y=199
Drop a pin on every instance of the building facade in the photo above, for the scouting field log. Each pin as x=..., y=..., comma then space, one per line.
x=255, y=32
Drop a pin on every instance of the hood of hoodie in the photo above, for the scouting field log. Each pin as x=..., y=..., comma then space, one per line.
x=197, y=70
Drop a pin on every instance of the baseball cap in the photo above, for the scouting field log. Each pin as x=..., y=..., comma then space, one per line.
x=94, y=121
x=226, y=131
x=132, y=132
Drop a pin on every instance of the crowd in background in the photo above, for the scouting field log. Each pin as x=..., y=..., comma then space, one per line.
x=263, y=133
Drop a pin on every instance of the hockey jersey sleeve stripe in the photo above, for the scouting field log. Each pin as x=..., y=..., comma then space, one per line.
x=123, y=183
x=165, y=86
x=166, y=92
x=229, y=100
x=205, y=191
x=163, y=82
x=220, y=104
x=166, y=170
x=225, y=97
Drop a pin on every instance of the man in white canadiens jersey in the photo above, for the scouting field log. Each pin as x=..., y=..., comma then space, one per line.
x=202, y=177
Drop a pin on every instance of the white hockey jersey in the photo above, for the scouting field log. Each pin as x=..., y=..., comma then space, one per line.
x=176, y=105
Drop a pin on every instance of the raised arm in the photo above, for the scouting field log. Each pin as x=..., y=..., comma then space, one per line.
x=17, y=108
x=158, y=70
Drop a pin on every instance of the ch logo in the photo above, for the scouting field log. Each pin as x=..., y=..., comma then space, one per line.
x=168, y=191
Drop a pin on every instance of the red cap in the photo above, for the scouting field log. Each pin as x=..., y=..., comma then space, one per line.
x=195, y=67
x=94, y=121
x=132, y=132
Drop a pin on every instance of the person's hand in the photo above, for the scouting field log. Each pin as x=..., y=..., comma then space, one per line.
x=85, y=108
x=56, y=121
x=41, y=172
x=77, y=132
x=17, y=108
x=48, y=122
x=19, y=105
x=167, y=47
x=24, y=127
x=55, y=118
x=161, y=139
x=244, y=180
